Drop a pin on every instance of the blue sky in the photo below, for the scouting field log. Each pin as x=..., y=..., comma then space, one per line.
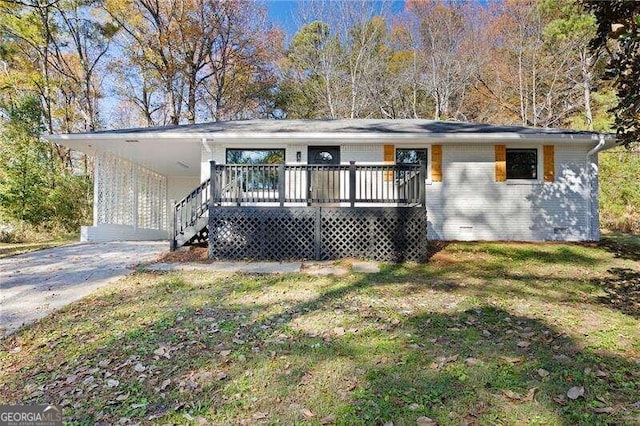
x=282, y=12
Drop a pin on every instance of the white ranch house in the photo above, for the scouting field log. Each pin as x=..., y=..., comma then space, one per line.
x=477, y=181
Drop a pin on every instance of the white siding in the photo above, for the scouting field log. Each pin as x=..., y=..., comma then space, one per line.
x=469, y=205
x=371, y=153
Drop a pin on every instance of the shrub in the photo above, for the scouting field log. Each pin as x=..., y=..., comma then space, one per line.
x=620, y=190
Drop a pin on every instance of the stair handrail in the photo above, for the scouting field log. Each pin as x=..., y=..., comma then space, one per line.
x=188, y=210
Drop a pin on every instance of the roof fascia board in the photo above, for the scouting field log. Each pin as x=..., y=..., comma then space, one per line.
x=355, y=137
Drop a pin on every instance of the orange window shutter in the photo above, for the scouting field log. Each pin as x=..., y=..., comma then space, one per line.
x=501, y=163
x=389, y=153
x=549, y=162
x=389, y=157
x=436, y=163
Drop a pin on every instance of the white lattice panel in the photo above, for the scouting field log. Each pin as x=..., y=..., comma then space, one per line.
x=128, y=194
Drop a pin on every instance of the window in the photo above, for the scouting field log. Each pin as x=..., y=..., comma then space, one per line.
x=255, y=156
x=255, y=178
x=411, y=156
x=522, y=163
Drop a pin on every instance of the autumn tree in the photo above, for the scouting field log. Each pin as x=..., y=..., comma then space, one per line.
x=310, y=70
x=444, y=41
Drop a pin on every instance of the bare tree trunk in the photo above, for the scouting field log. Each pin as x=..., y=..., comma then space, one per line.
x=191, y=100
x=174, y=114
x=523, y=112
x=533, y=90
x=585, y=60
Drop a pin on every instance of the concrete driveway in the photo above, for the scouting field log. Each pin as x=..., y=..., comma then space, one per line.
x=34, y=284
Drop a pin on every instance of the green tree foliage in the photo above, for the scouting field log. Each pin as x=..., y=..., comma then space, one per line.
x=35, y=188
x=25, y=164
x=620, y=190
x=310, y=69
x=619, y=33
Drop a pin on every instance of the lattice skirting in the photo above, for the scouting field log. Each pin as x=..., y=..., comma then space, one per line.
x=322, y=233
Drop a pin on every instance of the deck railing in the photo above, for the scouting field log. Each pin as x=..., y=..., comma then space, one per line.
x=279, y=184
x=401, y=184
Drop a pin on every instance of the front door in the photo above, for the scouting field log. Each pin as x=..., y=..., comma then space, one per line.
x=324, y=182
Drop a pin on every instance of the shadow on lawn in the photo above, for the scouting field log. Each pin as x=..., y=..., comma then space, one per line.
x=622, y=290
x=463, y=367
x=622, y=246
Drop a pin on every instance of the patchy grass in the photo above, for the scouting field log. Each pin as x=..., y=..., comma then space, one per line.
x=483, y=334
x=12, y=249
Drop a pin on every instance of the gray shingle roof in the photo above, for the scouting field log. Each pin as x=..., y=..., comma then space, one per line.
x=405, y=126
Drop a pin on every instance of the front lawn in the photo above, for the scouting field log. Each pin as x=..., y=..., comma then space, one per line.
x=482, y=334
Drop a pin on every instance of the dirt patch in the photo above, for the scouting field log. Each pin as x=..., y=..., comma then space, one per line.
x=185, y=254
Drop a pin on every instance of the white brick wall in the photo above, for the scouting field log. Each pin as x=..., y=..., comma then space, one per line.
x=469, y=205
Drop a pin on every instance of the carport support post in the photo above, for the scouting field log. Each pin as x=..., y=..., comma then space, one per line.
x=172, y=226
x=352, y=183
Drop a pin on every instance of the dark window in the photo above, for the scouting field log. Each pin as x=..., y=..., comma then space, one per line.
x=256, y=178
x=411, y=156
x=255, y=156
x=522, y=163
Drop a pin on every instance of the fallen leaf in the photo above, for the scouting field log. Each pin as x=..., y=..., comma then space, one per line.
x=542, y=372
x=326, y=420
x=112, y=383
x=201, y=421
x=472, y=361
x=530, y=394
x=520, y=398
x=15, y=350
x=164, y=384
x=511, y=360
x=425, y=421
x=259, y=416
x=225, y=353
x=603, y=410
x=307, y=413
x=123, y=397
x=560, y=399
x=575, y=392
x=512, y=395
x=162, y=351
x=139, y=368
